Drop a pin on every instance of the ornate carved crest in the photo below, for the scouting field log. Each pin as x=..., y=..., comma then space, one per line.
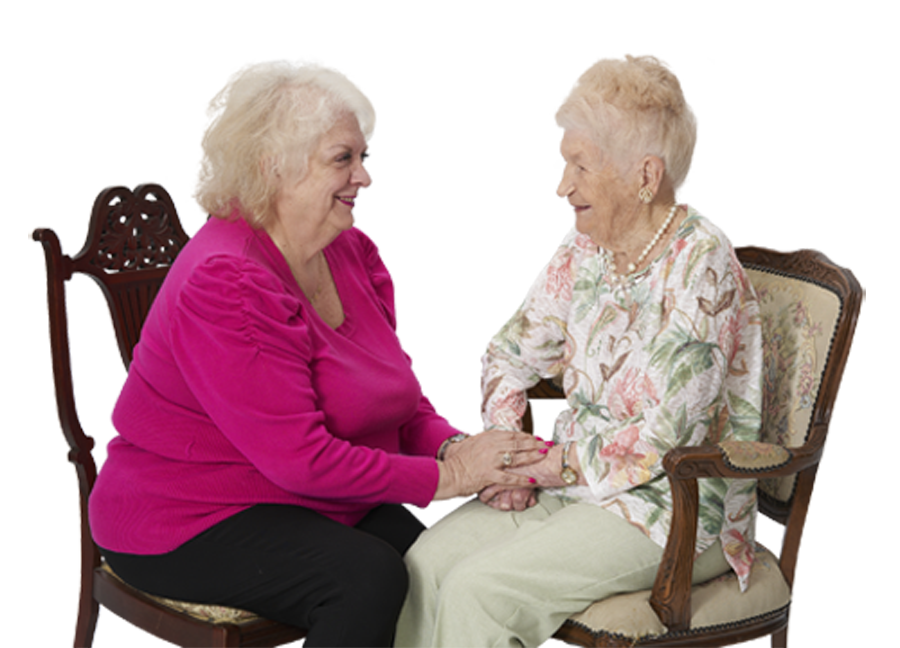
x=134, y=231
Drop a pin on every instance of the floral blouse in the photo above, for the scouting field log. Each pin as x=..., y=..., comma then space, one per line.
x=671, y=357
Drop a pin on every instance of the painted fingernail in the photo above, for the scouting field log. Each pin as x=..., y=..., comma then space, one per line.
x=544, y=450
x=532, y=480
x=549, y=444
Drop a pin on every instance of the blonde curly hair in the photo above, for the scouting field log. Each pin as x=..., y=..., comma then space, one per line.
x=266, y=122
x=631, y=108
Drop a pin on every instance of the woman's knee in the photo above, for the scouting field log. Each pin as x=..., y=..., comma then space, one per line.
x=477, y=581
x=377, y=572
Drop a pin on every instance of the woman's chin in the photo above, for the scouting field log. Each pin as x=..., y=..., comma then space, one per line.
x=582, y=225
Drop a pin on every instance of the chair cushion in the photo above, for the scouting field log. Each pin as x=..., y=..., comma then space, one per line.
x=201, y=611
x=713, y=603
x=798, y=319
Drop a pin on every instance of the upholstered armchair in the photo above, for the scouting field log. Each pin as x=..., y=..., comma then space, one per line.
x=809, y=307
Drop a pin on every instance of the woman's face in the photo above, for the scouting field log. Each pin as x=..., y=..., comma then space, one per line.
x=594, y=187
x=322, y=200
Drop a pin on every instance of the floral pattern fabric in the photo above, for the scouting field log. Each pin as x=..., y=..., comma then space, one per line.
x=673, y=357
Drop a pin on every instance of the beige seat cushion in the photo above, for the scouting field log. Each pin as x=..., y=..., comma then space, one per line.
x=715, y=602
x=201, y=611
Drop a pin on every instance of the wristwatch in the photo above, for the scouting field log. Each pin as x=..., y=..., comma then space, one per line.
x=568, y=474
x=456, y=438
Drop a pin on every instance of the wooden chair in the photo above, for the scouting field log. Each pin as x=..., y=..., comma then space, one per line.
x=132, y=240
x=809, y=308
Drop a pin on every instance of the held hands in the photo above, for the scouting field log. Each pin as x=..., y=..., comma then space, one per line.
x=545, y=473
x=486, y=459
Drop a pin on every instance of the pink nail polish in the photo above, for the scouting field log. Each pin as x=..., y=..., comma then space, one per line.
x=544, y=450
x=532, y=480
x=549, y=444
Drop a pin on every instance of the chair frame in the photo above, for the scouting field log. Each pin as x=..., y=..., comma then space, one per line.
x=133, y=238
x=671, y=593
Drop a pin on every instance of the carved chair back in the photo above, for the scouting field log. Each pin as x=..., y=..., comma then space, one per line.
x=133, y=237
x=132, y=240
x=809, y=308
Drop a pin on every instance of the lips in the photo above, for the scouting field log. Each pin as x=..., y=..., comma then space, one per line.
x=347, y=200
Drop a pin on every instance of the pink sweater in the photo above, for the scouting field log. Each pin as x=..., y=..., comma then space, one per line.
x=240, y=394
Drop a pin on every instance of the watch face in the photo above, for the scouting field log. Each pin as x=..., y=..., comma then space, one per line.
x=569, y=476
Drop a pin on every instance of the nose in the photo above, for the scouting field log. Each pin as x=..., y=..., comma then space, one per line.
x=565, y=187
x=360, y=176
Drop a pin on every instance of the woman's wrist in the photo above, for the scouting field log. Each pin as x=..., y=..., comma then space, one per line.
x=450, y=445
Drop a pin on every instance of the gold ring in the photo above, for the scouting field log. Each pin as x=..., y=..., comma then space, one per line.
x=507, y=459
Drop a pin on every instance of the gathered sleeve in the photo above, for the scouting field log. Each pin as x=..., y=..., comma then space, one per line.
x=243, y=347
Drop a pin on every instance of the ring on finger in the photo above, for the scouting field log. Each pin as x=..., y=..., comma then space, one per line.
x=507, y=459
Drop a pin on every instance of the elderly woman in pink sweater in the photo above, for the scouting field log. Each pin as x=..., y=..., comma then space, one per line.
x=271, y=427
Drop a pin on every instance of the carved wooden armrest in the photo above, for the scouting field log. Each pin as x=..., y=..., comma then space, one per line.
x=671, y=597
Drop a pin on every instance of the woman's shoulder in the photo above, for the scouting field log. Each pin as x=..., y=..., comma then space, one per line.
x=700, y=238
x=354, y=242
x=700, y=244
x=227, y=265
x=356, y=253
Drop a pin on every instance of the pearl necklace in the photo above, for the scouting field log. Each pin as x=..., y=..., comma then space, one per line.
x=634, y=266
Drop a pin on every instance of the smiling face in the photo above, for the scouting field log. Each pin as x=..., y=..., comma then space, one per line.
x=594, y=187
x=319, y=205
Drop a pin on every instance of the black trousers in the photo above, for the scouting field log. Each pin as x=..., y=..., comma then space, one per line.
x=345, y=585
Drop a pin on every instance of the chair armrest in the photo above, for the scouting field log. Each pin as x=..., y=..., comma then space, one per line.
x=671, y=595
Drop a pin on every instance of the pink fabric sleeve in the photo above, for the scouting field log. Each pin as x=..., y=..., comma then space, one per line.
x=243, y=348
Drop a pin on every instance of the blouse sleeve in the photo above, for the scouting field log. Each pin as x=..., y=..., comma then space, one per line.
x=424, y=433
x=532, y=344
x=243, y=348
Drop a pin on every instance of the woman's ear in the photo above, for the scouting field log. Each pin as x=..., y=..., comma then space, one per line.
x=268, y=168
x=652, y=172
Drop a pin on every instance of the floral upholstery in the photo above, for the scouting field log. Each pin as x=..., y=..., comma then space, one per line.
x=201, y=611
x=798, y=323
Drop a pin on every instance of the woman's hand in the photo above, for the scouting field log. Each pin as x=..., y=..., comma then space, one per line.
x=485, y=459
x=508, y=499
x=546, y=473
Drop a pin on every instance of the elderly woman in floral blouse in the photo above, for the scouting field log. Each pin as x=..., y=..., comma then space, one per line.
x=648, y=317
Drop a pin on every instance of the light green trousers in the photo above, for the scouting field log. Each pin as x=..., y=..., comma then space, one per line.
x=482, y=577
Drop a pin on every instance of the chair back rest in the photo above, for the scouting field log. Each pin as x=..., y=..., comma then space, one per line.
x=809, y=308
x=133, y=238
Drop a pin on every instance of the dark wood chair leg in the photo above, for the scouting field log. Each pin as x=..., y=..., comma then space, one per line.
x=88, y=606
x=88, y=611
x=779, y=639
